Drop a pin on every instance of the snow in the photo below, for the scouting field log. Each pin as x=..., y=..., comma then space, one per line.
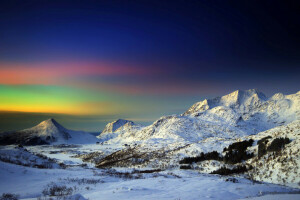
x=277, y=197
x=29, y=183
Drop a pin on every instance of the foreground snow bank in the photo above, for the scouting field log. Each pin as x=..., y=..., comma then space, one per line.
x=277, y=197
x=171, y=184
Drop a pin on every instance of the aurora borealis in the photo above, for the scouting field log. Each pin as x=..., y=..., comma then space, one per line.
x=90, y=62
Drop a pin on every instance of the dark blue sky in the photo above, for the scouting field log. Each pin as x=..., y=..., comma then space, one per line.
x=183, y=32
x=175, y=51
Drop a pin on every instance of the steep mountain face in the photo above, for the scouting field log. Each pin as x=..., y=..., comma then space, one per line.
x=237, y=114
x=117, y=128
x=48, y=131
x=113, y=126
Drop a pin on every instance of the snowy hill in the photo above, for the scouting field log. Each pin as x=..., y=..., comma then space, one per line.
x=237, y=114
x=46, y=132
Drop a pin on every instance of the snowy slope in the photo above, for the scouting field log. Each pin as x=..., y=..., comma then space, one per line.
x=281, y=167
x=237, y=114
x=47, y=132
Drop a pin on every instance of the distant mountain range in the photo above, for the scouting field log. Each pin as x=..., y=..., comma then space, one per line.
x=237, y=114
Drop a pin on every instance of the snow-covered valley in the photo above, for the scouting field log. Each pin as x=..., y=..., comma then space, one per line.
x=237, y=146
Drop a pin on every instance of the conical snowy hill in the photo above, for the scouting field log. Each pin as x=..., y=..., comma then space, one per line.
x=46, y=132
x=50, y=130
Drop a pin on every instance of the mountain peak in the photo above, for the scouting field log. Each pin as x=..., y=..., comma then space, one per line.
x=240, y=96
x=250, y=92
x=233, y=99
x=51, y=120
x=51, y=123
x=113, y=126
x=121, y=121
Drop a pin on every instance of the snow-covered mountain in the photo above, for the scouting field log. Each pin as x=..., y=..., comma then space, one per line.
x=237, y=114
x=118, y=127
x=49, y=130
x=243, y=101
x=277, y=109
x=46, y=132
x=113, y=126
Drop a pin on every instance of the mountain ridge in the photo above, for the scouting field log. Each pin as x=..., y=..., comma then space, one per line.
x=232, y=99
x=237, y=114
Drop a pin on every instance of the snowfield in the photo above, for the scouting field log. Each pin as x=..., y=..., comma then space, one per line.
x=239, y=146
x=172, y=184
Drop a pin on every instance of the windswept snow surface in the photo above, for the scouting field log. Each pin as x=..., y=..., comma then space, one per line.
x=176, y=184
x=276, y=197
